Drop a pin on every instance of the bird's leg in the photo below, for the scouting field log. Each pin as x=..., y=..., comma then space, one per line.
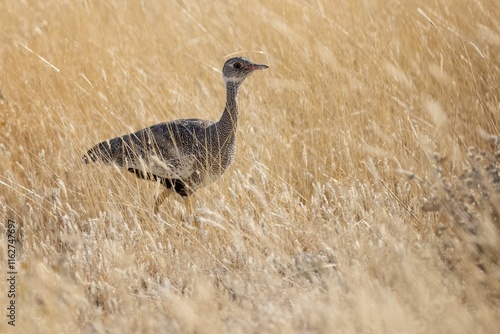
x=188, y=204
x=160, y=199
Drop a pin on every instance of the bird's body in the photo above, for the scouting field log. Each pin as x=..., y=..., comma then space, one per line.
x=183, y=155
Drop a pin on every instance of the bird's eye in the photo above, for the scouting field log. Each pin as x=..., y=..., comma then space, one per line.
x=237, y=65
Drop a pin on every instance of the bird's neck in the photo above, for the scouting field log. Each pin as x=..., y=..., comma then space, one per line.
x=228, y=122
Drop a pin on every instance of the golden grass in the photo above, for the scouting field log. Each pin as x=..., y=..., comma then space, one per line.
x=355, y=203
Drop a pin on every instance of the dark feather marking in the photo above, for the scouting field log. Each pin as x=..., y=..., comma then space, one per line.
x=176, y=184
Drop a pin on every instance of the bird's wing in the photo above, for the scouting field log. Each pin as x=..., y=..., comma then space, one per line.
x=166, y=150
x=176, y=168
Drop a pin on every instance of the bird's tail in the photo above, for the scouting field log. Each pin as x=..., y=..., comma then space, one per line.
x=100, y=152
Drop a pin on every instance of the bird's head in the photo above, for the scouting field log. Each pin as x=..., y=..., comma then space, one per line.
x=238, y=69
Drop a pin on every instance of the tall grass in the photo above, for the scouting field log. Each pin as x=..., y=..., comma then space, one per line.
x=365, y=192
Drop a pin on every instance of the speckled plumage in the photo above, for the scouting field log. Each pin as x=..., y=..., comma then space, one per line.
x=185, y=154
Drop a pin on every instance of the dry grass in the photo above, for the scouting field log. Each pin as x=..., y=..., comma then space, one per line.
x=357, y=202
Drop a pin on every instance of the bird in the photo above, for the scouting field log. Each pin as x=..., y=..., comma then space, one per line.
x=182, y=155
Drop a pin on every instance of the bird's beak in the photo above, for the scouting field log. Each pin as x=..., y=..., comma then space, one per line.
x=254, y=67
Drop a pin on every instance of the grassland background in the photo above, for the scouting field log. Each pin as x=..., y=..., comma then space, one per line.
x=350, y=206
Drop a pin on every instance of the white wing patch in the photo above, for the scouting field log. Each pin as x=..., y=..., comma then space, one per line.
x=179, y=168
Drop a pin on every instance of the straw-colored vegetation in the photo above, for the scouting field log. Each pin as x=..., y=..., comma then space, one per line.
x=365, y=195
